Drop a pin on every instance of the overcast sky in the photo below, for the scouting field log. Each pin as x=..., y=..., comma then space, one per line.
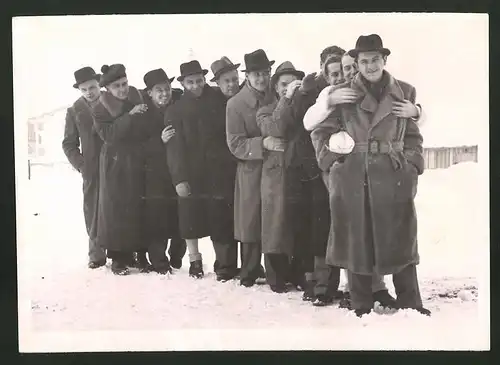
x=445, y=56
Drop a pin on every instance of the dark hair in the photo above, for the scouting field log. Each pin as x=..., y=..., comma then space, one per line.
x=335, y=58
x=332, y=50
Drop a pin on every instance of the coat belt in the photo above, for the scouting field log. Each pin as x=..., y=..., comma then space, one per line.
x=385, y=147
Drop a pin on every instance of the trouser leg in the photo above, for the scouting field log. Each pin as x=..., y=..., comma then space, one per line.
x=157, y=255
x=327, y=277
x=177, y=249
x=407, y=289
x=250, y=262
x=226, y=254
x=276, y=269
x=360, y=289
x=96, y=252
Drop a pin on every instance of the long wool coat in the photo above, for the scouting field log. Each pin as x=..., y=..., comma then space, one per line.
x=374, y=223
x=121, y=172
x=82, y=146
x=244, y=139
x=160, y=221
x=280, y=184
x=198, y=154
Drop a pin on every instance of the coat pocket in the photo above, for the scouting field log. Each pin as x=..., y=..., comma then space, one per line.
x=406, y=182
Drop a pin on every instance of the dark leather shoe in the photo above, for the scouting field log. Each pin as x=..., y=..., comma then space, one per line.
x=384, y=298
x=96, y=264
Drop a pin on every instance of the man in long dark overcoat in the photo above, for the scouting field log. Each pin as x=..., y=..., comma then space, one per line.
x=371, y=151
x=160, y=222
x=119, y=120
x=247, y=144
x=82, y=146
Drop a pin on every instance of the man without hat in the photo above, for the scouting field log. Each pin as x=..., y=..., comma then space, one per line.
x=82, y=146
x=247, y=144
x=371, y=151
x=160, y=222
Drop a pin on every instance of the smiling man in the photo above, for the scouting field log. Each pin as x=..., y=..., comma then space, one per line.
x=371, y=152
x=82, y=146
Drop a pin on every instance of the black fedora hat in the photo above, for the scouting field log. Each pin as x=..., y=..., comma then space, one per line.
x=85, y=74
x=257, y=60
x=286, y=68
x=369, y=43
x=112, y=73
x=154, y=77
x=191, y=68
x=221, y=66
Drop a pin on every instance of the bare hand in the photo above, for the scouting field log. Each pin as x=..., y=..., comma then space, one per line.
x=139, y=108
x=183, y=189
x=404, y=109
x=274, y=144
x=292, y=87
x=308, y=83
x=167, y=133
x=344, y=95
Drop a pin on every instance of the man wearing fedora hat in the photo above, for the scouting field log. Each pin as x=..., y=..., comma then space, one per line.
x=201, y=166
x=224, y=173
x=371, y=151
x=119, y=119
x=247, y=144
x=160, y=222
x=82, y=146
x=280, y=188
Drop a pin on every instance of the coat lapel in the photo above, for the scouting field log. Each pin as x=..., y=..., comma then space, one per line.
x=392, y=93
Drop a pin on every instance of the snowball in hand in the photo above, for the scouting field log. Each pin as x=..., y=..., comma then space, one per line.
x=341, y=142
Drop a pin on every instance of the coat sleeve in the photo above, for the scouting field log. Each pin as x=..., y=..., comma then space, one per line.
x=71, y=142
x=319, y=111
x=240, y=144
x=272, y=118
x=320, y=137
x=301, y=102
x=413, y=140
x=111, y=130
x=176, y=148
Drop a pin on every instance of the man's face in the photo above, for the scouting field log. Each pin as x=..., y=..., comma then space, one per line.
x=371, y=65
x=229, y=83
x=119, y=88
x=348, y=67
x=194, y=84
x=334, y=76
x=161, y=93
x=90, y=90
x=259, y=80
x=282, y=83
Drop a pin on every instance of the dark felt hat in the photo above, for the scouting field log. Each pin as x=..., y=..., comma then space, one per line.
x=191, y=68
x=85, y=74
x=221, y=66
x=256, y=61
x=155, y=77
x=369, y=43
x=112, y=73
x=286, y=68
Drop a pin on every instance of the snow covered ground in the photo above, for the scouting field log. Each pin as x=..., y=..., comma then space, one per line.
x=63, y=306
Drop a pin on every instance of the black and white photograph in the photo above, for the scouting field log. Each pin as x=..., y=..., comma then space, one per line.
x=193, y=182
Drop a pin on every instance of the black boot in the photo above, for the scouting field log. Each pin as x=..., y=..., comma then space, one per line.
x=118, y=267
x=361, y=312
x=384, y=298
x=196, y=269
x=421, y=310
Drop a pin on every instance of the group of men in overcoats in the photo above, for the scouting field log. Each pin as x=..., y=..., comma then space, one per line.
x=316, y=172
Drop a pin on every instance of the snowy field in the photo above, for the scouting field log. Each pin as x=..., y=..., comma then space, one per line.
x=63, y=306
